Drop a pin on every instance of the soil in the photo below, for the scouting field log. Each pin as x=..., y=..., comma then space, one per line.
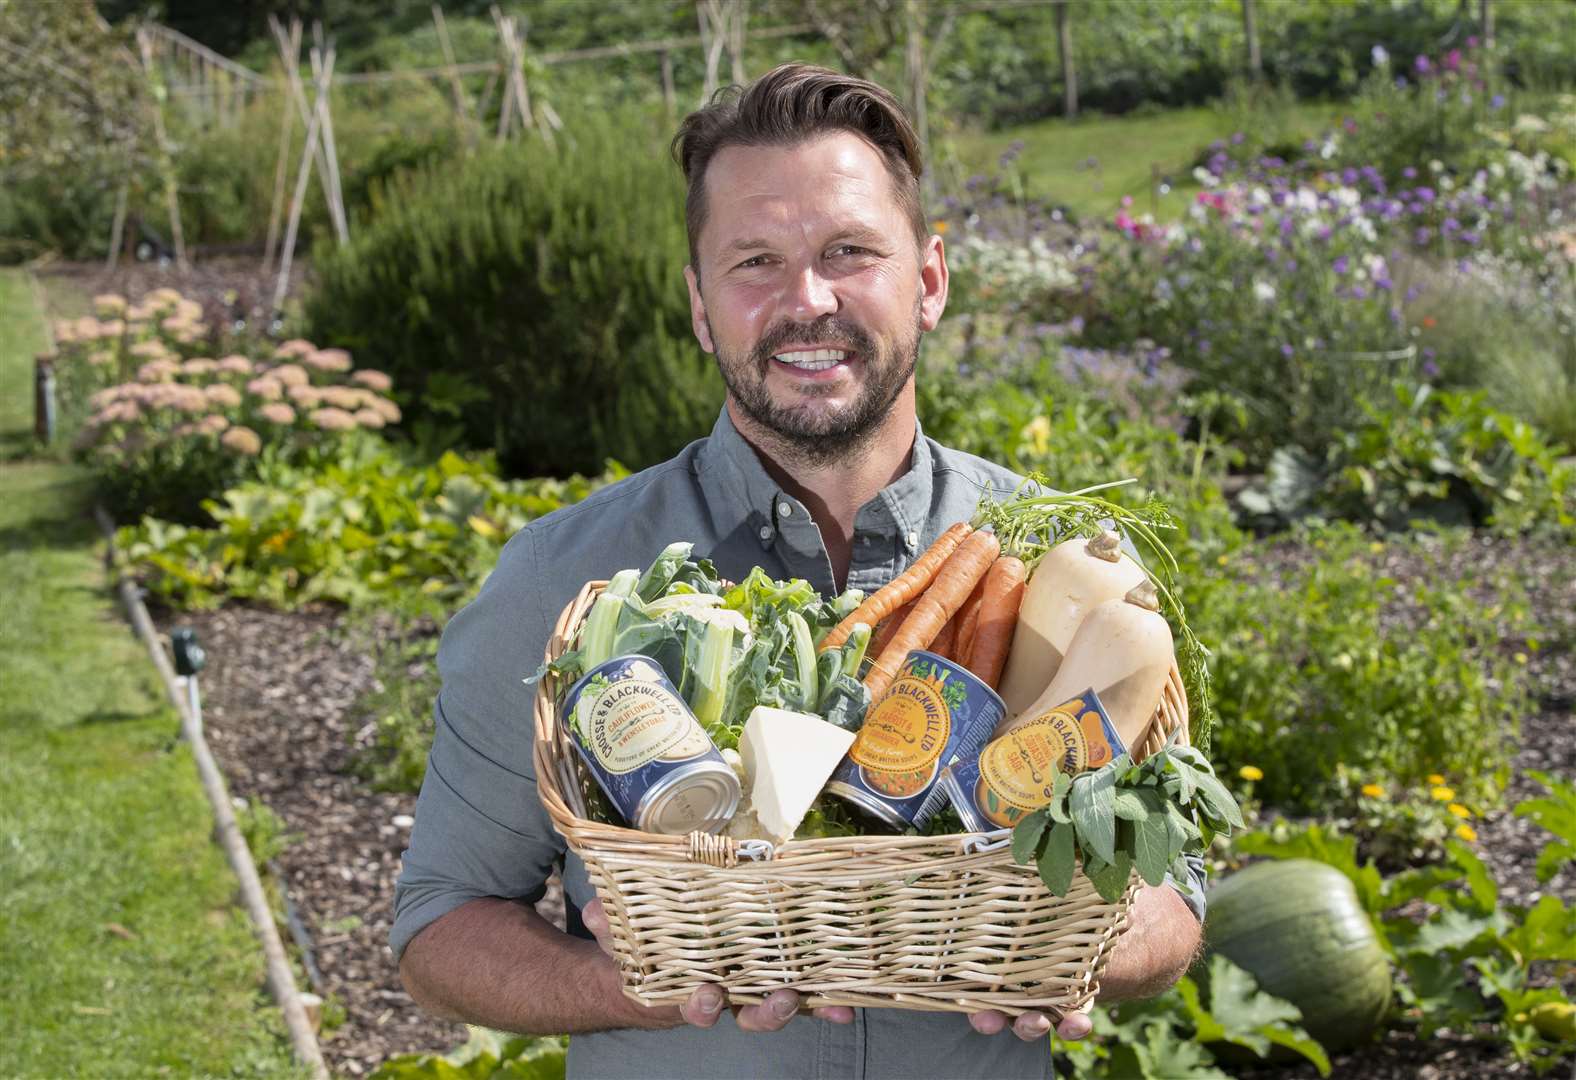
x=235, y=291
x=279, y=709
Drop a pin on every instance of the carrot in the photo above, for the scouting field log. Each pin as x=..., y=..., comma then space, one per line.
x=945, y=642
x=901, y=589
x=951, y=587
x=967, y=619
x=1001, y=595
x=888, y=627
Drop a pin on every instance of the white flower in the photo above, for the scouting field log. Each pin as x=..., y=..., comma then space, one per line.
x=1327, y=151
x=1381, y=56
x=1263, y=291
x=1205, y=177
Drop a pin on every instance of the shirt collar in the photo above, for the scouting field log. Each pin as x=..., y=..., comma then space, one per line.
x=749, y=490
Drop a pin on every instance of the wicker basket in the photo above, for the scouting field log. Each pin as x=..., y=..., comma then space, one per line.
x=941, y=922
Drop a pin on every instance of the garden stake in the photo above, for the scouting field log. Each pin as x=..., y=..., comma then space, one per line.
x=281, y=980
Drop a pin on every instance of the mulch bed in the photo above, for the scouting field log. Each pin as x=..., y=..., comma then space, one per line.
x=279, y=708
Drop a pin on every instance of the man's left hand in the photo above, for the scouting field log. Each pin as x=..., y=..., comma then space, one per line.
x=1031, y=1025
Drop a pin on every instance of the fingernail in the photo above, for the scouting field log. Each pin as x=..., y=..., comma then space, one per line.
x=1037, y=1025
x=710, y=1001
x=784, y=1007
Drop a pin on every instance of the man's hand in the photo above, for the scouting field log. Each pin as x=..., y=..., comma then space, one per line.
x=1031, y=1025
x=704, y=1006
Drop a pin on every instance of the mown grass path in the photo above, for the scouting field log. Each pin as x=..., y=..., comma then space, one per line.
x=124, y=952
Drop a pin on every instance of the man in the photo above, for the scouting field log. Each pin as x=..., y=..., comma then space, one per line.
x=812, y=277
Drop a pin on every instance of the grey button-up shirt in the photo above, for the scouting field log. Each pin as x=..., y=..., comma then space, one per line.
x=480, y=828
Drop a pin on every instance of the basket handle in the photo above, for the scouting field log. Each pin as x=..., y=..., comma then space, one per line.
x=718, y=851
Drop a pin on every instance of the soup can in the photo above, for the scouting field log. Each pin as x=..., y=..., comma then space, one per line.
x=1014, y=774
x=647, y=751
x=935, y=712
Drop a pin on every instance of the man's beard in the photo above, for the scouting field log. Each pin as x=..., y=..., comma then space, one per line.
x=805, y=435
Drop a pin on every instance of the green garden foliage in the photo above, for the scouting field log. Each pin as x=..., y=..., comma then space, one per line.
x=366, y=528
x=1330, y=665
x=549, y=285
x=1441, y=456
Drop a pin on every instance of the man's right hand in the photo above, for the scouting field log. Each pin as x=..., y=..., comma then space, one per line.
x=704, y=1006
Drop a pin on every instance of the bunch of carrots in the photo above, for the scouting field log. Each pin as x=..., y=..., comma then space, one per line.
x=959, y=599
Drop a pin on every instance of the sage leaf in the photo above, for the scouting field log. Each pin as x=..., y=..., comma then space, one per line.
x=1152, y=849
x=1093, y=814
x=1218, y=800
x=1110, y=879
x=1128, y=805
x=1026, y=836
x=1058, y=862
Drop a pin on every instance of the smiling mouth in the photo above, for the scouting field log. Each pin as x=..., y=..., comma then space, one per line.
x=818, y=360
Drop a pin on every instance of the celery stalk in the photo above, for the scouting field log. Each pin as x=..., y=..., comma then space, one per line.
x=711, y=692
x=804, y=654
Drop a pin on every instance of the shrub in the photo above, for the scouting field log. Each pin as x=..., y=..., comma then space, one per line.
x=536, y=297
x=1323, y=661
x=181, y=428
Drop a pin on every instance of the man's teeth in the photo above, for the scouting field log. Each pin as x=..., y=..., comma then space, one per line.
x=819, y=360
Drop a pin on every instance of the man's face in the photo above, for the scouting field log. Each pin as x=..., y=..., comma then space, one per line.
x=811, y=291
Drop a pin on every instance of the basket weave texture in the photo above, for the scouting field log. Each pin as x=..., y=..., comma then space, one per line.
x=945, y=923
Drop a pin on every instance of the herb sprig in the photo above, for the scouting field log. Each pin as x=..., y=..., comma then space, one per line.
x=1125, y=815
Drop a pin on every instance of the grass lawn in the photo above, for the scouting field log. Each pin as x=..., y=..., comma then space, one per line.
x=1088, y=164
x=124, y=951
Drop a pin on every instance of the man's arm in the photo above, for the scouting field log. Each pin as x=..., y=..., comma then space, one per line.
x=498, y=963
x=1161, y=943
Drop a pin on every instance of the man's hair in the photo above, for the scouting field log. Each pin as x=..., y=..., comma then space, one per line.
x=790, y=104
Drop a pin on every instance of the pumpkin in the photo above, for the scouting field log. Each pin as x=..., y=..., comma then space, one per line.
x=1299, y=929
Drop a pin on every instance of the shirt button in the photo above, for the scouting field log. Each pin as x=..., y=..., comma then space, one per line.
x=912, y=539
x=784, y=509
x=766, y=532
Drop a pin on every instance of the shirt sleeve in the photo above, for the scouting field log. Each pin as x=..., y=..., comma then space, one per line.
x=480, y=828
x=1197, y=879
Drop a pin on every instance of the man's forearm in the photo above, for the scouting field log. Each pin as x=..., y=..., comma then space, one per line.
x=499, y=964
x=1160, y=944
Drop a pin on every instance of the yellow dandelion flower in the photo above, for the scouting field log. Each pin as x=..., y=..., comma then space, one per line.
x=939, y=227
x=1373, y=791
x=1435, y=779
x=1467, y=833
x=1251, y=773
x=1444, y=794
x=1521, y=658
x=1460, y=811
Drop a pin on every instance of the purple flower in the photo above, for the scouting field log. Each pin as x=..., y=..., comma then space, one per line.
x=1412, y=292
x=1430, y=369
x=1424, y=194
x=1422, y=65
x=1238, y=138
x=1384, y=283
x=1287, y=351
x=1203, y=346
x=1422, y=236
x=1348, y=176
x=1470, y=238
x=1496, y=102
x=1291, y=266
x=1409, y=172
x=1448, y=226
x=1453, y=60
x=1359, y=292
x=1341, y=264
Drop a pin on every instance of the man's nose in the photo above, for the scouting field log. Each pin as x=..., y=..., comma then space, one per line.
x=811, y=295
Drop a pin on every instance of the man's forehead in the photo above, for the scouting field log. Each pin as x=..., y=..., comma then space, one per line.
x=838, y=179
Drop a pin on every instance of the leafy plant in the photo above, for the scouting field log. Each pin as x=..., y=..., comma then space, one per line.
x=1329, y=661
x=1556, y=812
x=485, y=1055
x=1444, y=456
x=368, y=527
x=1123, y=817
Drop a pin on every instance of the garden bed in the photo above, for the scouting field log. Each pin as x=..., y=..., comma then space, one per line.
x=279, y=705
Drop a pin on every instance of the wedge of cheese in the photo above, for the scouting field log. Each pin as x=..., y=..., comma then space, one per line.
x=788, y=757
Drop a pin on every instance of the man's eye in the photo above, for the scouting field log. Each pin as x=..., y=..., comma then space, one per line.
x=752, y=262
x=850, y=249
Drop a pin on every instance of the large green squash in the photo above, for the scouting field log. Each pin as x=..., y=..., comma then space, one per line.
x=1298, y=927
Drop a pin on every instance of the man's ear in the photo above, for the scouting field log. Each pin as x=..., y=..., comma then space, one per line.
x=698, y=321
x=932, y=282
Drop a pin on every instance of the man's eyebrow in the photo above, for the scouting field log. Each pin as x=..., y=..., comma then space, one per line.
x=863, y=234
x=753, y=244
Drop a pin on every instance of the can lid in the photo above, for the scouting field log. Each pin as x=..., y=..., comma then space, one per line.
x=701, y=798
x=869, y=803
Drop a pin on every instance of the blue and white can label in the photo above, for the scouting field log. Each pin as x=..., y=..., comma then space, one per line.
x=647, y=751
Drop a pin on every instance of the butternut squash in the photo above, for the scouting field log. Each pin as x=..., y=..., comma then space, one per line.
x=1071, y=580
x=1123, y=651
